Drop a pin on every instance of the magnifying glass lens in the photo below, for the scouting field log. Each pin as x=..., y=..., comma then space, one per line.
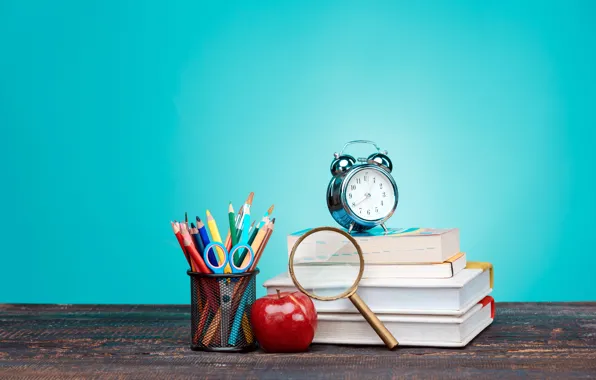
x=326, y=264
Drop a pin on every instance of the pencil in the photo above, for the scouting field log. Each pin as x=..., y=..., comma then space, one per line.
x=196, y=238
x=232, y=221
x=241, y=254
x=192, y=251
x=212, y=329
x=228, y=243
x=263, y=245
x=253, y=233
x=217, y=238
x=205, y=238
x=176, y=229
x=247, y=329
x=259, y=238
x=240, y=290
x=266, y=216
x=244, y=259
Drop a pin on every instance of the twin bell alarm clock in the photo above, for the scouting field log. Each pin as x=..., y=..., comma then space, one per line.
x=362, y=193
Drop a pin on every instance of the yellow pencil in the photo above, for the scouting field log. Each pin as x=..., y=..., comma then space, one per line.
x=246, y=328
x=216, y=237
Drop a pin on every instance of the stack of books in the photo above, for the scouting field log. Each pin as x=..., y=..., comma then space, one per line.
x=419, y=284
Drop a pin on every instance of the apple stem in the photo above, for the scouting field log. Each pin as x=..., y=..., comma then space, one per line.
x=278, y=293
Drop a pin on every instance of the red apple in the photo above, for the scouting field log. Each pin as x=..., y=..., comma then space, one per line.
x=284, y=322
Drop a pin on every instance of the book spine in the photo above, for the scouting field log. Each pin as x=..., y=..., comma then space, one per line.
x=489, y=300
x=483, y=266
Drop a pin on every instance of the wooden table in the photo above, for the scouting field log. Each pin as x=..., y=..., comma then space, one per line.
x=539, y=340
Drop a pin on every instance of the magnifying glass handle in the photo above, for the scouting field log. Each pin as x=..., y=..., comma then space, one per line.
x=374, y=322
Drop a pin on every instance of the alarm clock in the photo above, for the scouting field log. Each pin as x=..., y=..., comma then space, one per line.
x=362, y=193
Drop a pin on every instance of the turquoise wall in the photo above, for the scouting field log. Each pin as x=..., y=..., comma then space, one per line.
x=118, y=116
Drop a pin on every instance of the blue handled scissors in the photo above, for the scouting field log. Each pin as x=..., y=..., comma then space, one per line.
x=227, y=264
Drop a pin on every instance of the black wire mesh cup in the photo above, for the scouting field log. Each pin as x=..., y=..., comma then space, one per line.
x=220, y=311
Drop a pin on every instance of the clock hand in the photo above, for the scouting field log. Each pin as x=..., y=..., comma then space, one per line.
x=366, y=196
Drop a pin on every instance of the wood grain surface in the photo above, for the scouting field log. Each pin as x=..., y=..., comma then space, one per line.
x=535, y=340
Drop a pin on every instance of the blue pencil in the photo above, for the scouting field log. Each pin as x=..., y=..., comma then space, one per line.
x=205, y=238
x=196, y=238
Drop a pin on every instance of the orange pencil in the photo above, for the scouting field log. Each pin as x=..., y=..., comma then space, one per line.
x=259, y=238
x=256, y=244
x=263, y=245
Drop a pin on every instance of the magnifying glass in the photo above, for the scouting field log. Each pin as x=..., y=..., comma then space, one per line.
x=326, y=264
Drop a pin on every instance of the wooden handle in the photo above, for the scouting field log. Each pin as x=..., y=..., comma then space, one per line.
x=374, y=322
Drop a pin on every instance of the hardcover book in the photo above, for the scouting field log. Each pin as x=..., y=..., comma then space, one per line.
x=446, y=296
x=409, y=330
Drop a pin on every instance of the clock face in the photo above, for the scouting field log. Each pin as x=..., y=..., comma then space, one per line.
x=370, y=194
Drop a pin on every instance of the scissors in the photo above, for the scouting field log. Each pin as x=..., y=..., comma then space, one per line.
x=226, y=263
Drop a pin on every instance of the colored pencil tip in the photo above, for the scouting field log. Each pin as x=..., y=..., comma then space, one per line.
x=273, y=220
x=198, y=219
x=186, y=216
x=192, y=225
x=208, y=214
x=270, y=211
x=250, y=197
x=230, y=208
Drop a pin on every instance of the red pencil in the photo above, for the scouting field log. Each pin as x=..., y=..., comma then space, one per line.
x=192, y=251
x=176, y=229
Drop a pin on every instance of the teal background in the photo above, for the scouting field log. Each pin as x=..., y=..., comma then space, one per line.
x=118, y=116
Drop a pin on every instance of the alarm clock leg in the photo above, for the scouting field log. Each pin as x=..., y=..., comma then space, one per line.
x=350, y=229
x=384, y=227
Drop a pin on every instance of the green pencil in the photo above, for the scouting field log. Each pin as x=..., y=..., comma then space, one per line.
x=232, y=218
x=253, y=235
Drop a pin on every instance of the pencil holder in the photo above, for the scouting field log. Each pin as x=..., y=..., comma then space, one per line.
x=220, y=311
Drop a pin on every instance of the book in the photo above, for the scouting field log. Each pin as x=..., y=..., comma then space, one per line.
x=447, y=296
x=449, y=268
x=409, y=330
x=397, y=246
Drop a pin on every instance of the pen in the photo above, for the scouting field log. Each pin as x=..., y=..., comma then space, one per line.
x=245, y=225
x=246, y=208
